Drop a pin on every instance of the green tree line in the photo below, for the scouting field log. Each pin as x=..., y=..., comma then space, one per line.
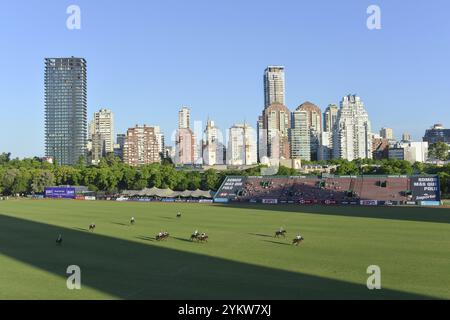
x=28, y=176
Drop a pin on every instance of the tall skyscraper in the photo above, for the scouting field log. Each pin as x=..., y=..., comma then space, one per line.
x=276, y=126
x=261, y=139
x=300, y=135
x=352, y=138
x=141, y=146
x=213, y=149
x=65, y=109
x=274, y=87
x=103, y=124
x=314, y=126
x=185, y=144
x=241, y=145
x=387, y=133
x=160, y=139
x=101, y=134
x=330, y=117
x=184, y=118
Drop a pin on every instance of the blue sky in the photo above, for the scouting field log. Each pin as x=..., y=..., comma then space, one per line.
x=148, y=58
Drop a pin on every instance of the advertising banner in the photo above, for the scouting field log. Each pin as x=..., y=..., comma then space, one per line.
x=60, y=192
x=425, y=188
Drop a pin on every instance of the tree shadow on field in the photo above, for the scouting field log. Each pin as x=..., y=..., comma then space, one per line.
x=134, y=270
x=418, y=214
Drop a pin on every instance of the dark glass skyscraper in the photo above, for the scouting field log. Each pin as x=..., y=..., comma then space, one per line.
x=65, y=109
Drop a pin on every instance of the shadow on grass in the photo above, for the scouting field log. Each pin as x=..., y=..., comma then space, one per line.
x=183, y=239
x=261, y=235
x=80, y=229
x=133, y=270
x=277, y=242
x=418, y=214
x=145, y=238
x=121, y=224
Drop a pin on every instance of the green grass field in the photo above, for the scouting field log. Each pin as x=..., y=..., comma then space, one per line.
x=242, y=260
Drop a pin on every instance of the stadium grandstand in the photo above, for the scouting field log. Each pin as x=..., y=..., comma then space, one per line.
x=363, y=190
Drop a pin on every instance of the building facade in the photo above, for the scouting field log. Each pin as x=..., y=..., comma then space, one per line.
x=330, y=117
x=65, y=109
x=300, y=135
x=387, y=133
x=184, y=118
x=241, y=145
x=274, y=85
x=212, y=146
x=141, y=146
x=410, y=151
x=185, y=144
x=118, y=147
x=314, y=126
x=352, y=137
x=437, y=133
x=276, y=127
x=101, y=134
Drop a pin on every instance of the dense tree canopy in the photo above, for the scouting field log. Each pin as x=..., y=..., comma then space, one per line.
x=439, y=151
x=30, y=176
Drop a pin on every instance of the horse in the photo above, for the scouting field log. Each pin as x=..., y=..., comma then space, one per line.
x=280, y=233
x=202, y=237
x=132, y=221
x=91, y=227
x=194, y=236
x=162, y=236
x=179, y=215
x=297, y=241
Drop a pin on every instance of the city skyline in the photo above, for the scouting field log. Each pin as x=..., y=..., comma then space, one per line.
x=392, y=69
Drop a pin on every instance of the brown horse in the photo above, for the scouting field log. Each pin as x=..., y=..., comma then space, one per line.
x=297, y=241
x=202, y=238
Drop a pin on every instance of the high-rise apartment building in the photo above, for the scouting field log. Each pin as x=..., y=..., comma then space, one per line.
x=213, y=149
x=276, y=126
x=160, y=139
x=184, y=118
x=241, y=145
x=314, y=126
x=330, y=117
x=274, y=87
x=101, y=135
x=141, y=146
x=300, y=135
x=65, y=109
x=185, y=144
x=352, y=138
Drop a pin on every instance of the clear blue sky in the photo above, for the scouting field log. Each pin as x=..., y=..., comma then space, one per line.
x=148, y=58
